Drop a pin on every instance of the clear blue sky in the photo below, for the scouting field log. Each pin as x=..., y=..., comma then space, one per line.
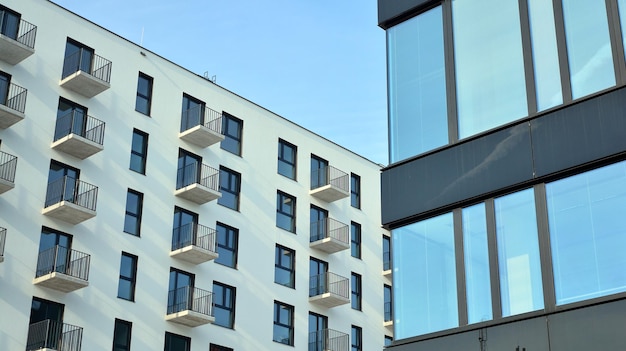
x=319, y=63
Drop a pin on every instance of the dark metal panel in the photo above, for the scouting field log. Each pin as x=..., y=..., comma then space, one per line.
x=530, y=334
x=389, y=10
x=468, y=341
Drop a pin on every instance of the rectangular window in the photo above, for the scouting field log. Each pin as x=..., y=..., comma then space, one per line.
x=213, y=347
x=388, y=340
x=283, y=323
x=476, y=257
x=285, y=267
x=79, y=57
x=287, y=159
x=132, y=219
x=121, y=335
x=319, y=223
x=139, y=151
x=227, y=241
x=230, y=186
x=5, y=83
x=355, y=239
x=180, y=291
x=9, y=22
x=192, y=112
x=72, y=118
x=319, y=172
x=128, y=277
x=357, y=338
x=232, y=128
x=224, y=305
x=355, y=190
x=388, y=303
x=143, y=101
x=175, y=342
x=62, y=180
x=286, y=211
x=355, y=285
x=386, y=253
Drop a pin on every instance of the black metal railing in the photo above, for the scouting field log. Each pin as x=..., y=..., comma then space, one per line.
x=197, y=173
x=329, y=283
x=8, y=165
x=386, y=260
x=55, y=335
x=63, y=260
x=72, y=190
x=388, y=312
x=190, y=298
x=201, y=115
x=76, y=122
x=25, y=34
x=15, y=98
x=329, y=228
x=328, y=339
x=194, y=234
x=3, y=237
x=97, y=66
x=330, y=175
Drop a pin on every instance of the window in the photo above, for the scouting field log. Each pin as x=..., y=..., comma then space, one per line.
x=388, y=304
x=180, y=291
x=185, y=228
x=318, y=277
x=189, y=169
x=287, y=159
x=232, y=128
x=139, y=151
x=355, y=285
x=319, y=172
x=227, y=241
x=143, y=101
x=132, y=219
x=78, y=57
x=71, y=119
x=62, y=180
x=175, y=342
x=5, y=82
x=283, y=323
x=355, y=239
x=355, y=190
x=318, y=332
x=319, y=223
x=386, y=253
x=230, y=185
x=285, y=267
x=121, y=335
x=224, y=308
x=9, y=23
x=286, y=211
x=128, y=277
x=213, y=347
x=192, y=113
x=357, y=338
x=56, y=255
x=388, y=340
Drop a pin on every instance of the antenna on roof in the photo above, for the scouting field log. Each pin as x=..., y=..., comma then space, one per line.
x=212, y=79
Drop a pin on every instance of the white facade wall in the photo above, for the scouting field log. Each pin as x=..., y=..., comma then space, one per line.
x=95, y=307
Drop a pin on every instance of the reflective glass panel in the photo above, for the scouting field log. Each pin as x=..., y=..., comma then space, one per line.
x=424, y=277
x=622, y=14
x=588, y=233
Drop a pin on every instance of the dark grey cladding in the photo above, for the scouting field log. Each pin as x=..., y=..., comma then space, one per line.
x=390, y=10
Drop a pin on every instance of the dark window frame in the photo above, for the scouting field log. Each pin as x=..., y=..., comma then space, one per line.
x=234, y=243
x=355, y=190
x=126, y=345
x=284, y=324
x=233, y=187
x=280, y=200
x=279, y=255
x=147, y=96
x=186, y=339
x=137, y=215
x=283, y=148
x=230, y=137
x=355, y=239
x=223, y=304
x=356, y=291
x=132, y=279
x=356, y=343
x=143, y=154
x=386, y=253
x=215, y=347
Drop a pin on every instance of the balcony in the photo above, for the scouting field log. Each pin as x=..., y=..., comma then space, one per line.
x=78, y=135
x=12, y=106
x=329, y=290
x=190, y=306
x=71, y=200
x=198, y=183
x=3, y=237
x=201, y=126
x=194, y=243
x=329, y=235
x=330, y=184
x=328, y=340
x=387, y=264
x=388, y=322
x=86, y=78
x=18, y=45
x=49, y=335
x=62, y=269
x=8, y=164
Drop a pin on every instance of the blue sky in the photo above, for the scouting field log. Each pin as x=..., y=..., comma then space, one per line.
x=319, y=63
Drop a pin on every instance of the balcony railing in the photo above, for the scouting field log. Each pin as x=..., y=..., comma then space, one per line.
x=329, y=228
x=197, y=173
x=18, y=43
x=329, y=283
x=328, y=340
x=386, y=260
x=330, y=184
x=201, y=115
x=25, y=35
x=189, y=298
x=72, y=190
x=54, y=335
x=8, y=165
x=99, y=67
x=76, y=122
x=3, y=237
x=196, y=235
x=15, y=98
x=65, y=261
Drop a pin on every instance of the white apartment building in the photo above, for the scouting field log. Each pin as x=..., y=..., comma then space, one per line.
x=143, y=207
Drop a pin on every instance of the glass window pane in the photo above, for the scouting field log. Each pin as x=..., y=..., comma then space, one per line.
x=124, y=289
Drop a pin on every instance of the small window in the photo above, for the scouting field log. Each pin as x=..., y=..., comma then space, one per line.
x=128, y=277
x=143, y=101
x=175, y=342
x=388, y=340
x=355, y=239
x=227, y=242
x=355, y=284
x=132, y=219
x=9, y=22
x=224, y=305
x=286, y=211
x=287, y=159
x=192, y=113
x=355, y=191
x=357, y=338
x=283, y=323
x=388, y=304
x=213, y=347
x=139, y=151
x=230, y=185
x=121, y=335
x=285, y=267
x=232, y=128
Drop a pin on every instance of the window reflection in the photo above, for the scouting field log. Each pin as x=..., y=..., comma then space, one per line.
x=478, y=283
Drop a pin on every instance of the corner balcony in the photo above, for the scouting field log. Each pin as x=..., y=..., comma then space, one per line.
x=78, y=135
x=51, y=335
x=62, y=269
x=12, y=106
x=388, y=322
x=328, y=340
x=201, y=126
x=387, y=264
x=329, y=290
x=190, y=306
x=198, y=183
x=330, y=184
x=194, y=243
x=3, y=237
x=87, y=79
x=329, y=235
x=71, y=200
x=8, y=165
x=17, y=46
